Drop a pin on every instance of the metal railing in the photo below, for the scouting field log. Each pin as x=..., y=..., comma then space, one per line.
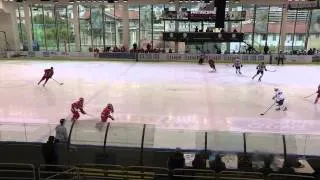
x=99, y=171
x=17, y=171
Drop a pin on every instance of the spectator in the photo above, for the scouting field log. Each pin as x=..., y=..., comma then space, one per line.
x=281, y=57
x=286, y=168
x=61, y=132
x=148, y=47
x=266, y=49
x=267, y=163
x=199, y=162
x=176, y=160
x=222, y=30
x=49, y=151
x=135, y=47
x=244, y=163
x=196, y=29
x=170, y=50
x=235, y=31
x=217, y=165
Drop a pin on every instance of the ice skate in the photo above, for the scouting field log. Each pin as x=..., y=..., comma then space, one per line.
x=278, y=109
x=285, y=108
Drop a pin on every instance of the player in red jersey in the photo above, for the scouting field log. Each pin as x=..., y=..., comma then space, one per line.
x=78, y=105
x=318, y=97
x=48, y=73
x=106, y=113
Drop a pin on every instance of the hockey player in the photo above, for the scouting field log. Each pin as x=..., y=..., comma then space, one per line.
x=260, y=69
x=318, y=96
x=78, y=105
x=201, y=59
x=237, y=64
x=212, y=65
x=105, y=114
x=48, y=73
x=279, y=98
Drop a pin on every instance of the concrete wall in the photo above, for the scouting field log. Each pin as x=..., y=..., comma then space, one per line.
x=8, y=24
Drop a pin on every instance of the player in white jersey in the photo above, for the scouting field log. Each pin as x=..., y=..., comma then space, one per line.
x=237, y=64
x=279, y=98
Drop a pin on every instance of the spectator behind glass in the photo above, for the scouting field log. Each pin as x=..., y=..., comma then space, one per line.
x=217, y=165
x=286, y=168
x=49, y=151
x=176, y=161
x=267, y=163
x=61, y=132
x=199, y=162
x=196, y=29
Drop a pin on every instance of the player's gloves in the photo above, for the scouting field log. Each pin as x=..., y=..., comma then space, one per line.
x=241, y=65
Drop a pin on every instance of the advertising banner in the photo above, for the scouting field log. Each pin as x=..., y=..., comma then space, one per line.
x=298, y=58
x=149, y=57
x=3, y=54
x=120, y=55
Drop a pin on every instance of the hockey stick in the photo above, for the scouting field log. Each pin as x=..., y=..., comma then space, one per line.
x=268, y=109
x=310, y=95
x=57, y=81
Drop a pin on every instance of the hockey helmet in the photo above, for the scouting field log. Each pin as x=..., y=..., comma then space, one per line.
x=110, y=106
x=276, y=89
x=81, y=99
x=62, y=121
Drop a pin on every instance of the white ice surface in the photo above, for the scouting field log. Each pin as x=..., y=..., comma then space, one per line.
x=168, y=95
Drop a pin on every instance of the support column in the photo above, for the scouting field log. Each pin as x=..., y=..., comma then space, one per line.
x=125, y=25
x=176, y=43
x=11, y=27
x=27, y=19
x=283, y=32
x=229, y=29
x=76, y=26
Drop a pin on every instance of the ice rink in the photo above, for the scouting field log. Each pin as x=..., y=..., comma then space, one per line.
x=168, y=95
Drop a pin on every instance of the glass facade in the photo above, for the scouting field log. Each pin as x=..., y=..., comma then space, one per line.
x=53, y=27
